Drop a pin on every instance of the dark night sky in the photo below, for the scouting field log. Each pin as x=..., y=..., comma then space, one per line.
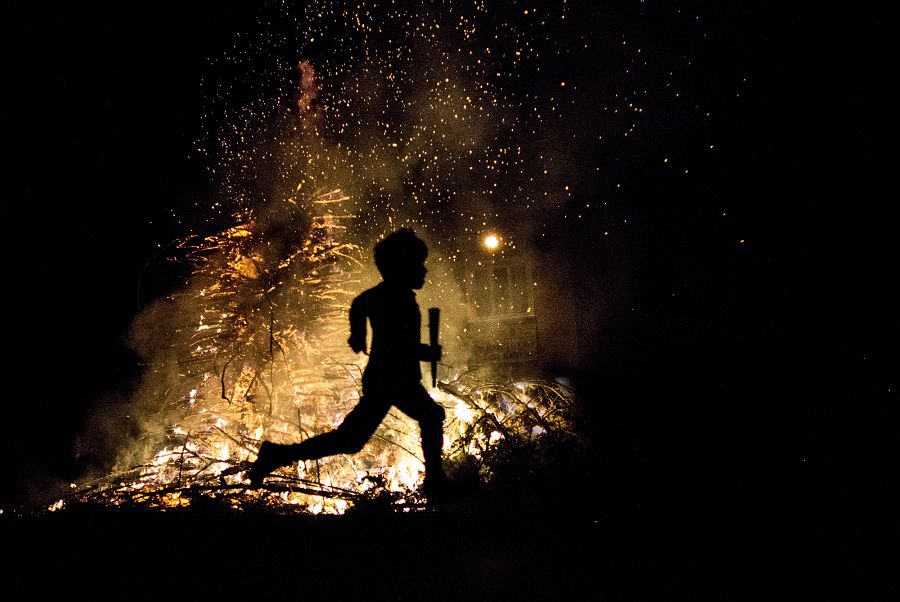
x=789, y=342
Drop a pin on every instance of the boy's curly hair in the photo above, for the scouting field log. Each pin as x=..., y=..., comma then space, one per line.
x=397, y=250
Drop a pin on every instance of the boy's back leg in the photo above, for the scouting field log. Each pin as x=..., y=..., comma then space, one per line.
x=348, y=438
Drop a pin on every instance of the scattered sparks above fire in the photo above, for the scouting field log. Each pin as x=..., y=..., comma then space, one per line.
x=329, y=125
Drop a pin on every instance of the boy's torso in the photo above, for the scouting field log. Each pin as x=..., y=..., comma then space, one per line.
x=396, y=333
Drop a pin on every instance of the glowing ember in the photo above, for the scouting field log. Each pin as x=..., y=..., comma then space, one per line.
x=491, y=242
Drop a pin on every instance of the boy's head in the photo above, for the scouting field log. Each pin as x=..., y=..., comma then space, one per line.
x=400, y=258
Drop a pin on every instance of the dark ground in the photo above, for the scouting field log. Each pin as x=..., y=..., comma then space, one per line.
x=449, y=554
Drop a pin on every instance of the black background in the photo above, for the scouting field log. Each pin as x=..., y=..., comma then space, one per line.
x=787, y=349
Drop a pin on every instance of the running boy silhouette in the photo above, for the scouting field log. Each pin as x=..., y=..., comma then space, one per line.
x=392, y=375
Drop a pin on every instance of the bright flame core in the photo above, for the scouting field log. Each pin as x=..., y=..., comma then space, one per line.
x=491, y=242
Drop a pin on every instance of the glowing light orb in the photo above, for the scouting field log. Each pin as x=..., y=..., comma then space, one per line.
x=491, y=242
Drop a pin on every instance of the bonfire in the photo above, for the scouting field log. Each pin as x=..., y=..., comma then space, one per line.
x=253, y=346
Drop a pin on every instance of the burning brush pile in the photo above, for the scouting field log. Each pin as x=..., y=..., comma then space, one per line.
x=253, y=347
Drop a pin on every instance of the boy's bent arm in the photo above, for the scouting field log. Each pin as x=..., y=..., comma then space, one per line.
x=357, y=340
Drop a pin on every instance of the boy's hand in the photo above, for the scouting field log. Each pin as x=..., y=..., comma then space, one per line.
x=357, y=344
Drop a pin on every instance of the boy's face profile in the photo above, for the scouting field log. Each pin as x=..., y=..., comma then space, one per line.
x=418, y=276
x=410, y=274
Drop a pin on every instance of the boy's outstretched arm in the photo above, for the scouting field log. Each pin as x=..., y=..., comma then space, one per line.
x=358, y=315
